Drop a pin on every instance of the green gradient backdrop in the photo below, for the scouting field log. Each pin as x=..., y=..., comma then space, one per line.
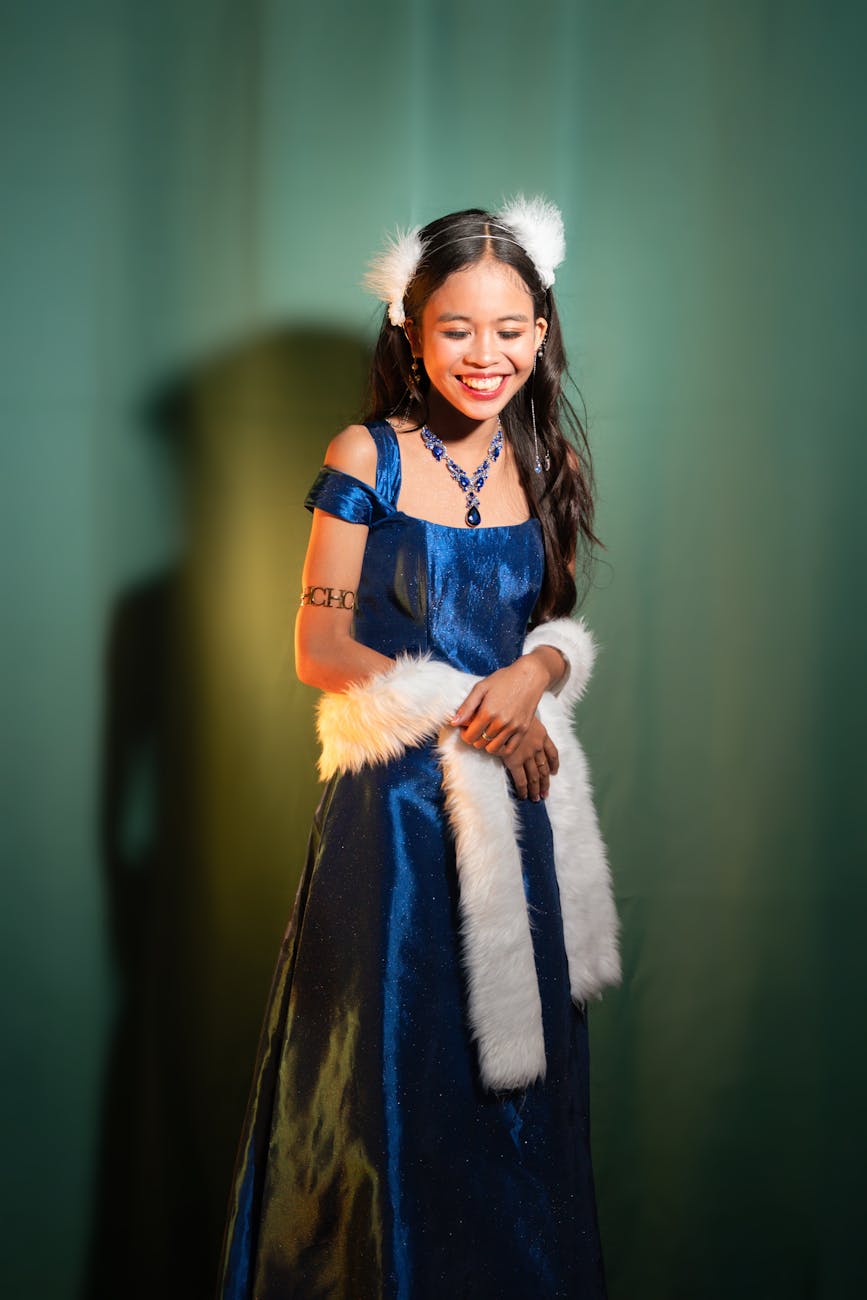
x=190, y=194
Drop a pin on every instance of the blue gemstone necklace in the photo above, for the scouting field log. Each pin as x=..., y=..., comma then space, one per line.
x=470, y=484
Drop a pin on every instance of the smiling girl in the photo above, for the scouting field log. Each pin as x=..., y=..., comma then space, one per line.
x=419, y=1122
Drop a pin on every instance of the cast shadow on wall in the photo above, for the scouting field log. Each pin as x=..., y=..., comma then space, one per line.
x=208, y=784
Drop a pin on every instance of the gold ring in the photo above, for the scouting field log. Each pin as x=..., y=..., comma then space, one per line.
x=485, y=736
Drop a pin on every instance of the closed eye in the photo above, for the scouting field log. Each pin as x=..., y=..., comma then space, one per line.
x=462, y=334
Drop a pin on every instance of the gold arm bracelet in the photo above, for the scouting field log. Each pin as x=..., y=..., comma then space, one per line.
x=329, y=598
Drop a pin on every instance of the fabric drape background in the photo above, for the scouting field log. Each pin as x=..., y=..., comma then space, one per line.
x=191, y=192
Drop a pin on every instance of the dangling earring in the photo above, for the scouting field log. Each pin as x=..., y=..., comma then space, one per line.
x=538, y=466
x=413, y=382
x=413, y=379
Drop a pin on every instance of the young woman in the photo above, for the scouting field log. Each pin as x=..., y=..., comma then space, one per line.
x=418, y=1125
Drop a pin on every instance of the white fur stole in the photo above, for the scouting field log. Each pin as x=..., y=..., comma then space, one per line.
x=411, y=704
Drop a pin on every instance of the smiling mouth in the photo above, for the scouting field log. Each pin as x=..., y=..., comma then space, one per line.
x=482, y=383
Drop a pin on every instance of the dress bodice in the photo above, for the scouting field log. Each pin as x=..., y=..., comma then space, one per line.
x=465, y=595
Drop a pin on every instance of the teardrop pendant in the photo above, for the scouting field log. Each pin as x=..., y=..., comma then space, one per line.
x=470, y=484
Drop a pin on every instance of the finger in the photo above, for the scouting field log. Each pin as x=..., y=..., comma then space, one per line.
x=552, y=754
x=519, y=781
x=511, y=744
x=465, y=711
x=500, y=740
x=532, y=779
x=544, y=778
x=484, y=727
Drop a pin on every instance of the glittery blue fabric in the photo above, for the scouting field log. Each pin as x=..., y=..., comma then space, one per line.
x=373, y=1163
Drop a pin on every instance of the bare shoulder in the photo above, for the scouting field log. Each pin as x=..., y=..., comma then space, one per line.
x=353, y=451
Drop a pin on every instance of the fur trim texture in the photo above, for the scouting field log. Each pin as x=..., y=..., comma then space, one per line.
x=575, y=642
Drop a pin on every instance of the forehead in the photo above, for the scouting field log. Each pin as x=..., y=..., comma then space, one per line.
x=487, y=287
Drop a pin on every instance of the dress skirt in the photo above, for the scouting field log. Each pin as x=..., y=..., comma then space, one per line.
x=373, y=1162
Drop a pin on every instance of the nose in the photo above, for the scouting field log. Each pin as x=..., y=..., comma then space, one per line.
x=482, y=350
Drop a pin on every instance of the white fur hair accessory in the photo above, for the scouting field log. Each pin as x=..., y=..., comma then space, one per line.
x=389, y=274
x=539, y=227
x=536, y=224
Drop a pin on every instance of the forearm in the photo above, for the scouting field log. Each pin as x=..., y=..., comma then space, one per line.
x=331, y=659
x=551, y=665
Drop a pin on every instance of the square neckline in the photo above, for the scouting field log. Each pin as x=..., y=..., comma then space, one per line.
x=420, y=519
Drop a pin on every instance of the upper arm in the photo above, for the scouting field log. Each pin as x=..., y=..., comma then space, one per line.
x=335, y=550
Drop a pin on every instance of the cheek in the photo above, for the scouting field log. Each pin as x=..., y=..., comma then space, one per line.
x=522, y=358
x=440, y=356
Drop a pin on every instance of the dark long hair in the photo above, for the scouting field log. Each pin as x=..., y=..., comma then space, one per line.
x=561, y=498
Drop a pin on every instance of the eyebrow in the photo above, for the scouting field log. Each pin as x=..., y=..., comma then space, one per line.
x=454, y=315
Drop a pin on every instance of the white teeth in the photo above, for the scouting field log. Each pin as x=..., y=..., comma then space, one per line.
x=484, y=383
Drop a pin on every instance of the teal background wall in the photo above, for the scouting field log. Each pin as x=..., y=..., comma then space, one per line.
x=190, y=193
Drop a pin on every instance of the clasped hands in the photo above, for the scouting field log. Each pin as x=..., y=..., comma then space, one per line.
x=499, y=716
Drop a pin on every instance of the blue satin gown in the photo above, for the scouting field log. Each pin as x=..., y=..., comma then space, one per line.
x=373, y=1163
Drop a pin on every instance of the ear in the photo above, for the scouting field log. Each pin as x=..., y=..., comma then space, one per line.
x=413, y=337
x=541, y=329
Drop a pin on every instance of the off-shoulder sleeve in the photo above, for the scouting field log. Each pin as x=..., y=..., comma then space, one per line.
x=343, y=495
